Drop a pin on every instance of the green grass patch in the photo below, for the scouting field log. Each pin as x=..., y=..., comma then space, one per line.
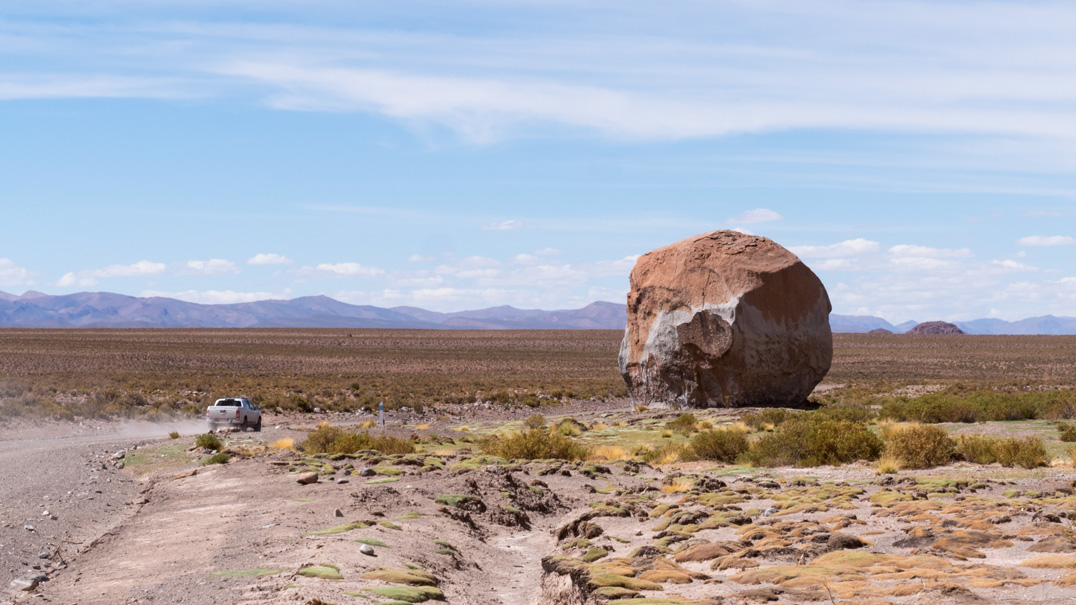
x=372, y=542
x=409, y=594
x=339, y=529
x=382, y=480
x=325, y=571
x=454, y=499
x=410, y=577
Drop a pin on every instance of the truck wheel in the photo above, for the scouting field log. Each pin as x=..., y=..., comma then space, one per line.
x=258, y=426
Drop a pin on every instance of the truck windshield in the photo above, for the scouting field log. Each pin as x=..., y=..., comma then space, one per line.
x=231, y=403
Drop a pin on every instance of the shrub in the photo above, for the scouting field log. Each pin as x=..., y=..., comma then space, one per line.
x=662, y=454
x=845, y=413
x=1028, y=452
x=535, y=421
x=957, y=404
x=722, y=445
x=920, y=446
x=570, y=427
x=208, y=441
x=328, y=439
x=807, y=442
x=1068, y=432
x=978, y=449
x=173, y=435
x=534, y=444
x=766, y=419
x=684, y=423
x=218, y=458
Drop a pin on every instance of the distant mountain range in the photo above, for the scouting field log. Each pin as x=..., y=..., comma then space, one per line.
x=1047, y=324
x=105, y=310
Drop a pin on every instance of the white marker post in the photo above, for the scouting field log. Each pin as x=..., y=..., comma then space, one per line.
x=381, y=413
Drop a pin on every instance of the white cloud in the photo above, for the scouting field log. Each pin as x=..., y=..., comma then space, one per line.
x=88, y=278
x=547, y=251
x=758, y=215
x=269, y=259
x=906, y=250
x=1046, y=240
x=341, y=270
x=12, y=274
x=418, y=258
x=743, y=230
x=503, y=225
x=218, y=297
x=215, y=266
x=1011, y=265
x=852, y=247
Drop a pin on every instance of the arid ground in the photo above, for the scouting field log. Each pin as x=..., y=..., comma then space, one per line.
x=100, y=505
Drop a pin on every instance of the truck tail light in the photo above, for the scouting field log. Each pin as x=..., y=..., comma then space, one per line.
x=237, y=413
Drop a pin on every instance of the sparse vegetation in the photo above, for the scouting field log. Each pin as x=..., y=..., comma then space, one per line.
x=208, y=441
x=534, y=444
x=804, y=441
x=173, y=435
x=957, y=404
x=535, y=421
x=721, y=445
x=684, y=423
x=218, y=458
x=919, y=446
x=328, y=439
x=1028, y=452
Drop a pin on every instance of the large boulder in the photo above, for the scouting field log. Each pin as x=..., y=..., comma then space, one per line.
x=725, y=319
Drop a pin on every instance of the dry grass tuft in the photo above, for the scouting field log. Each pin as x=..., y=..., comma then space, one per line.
x=286, y=443
x=610, y=453
x=888, y=464
x=680, y=484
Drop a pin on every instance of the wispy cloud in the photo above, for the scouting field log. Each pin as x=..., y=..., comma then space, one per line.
x=218, y=297
x=503, y=225
x=1047, y=240
x=86, y=278
x=852, y=247
x=215, y=266
x=340, y=270
x=269, y=259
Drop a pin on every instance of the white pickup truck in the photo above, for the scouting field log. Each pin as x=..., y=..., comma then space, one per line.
x=235, y=411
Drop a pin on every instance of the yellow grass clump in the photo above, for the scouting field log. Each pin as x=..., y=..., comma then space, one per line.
x=422, y=427
x=368, y=424
x=286, y=443
x=888, y=464
x=680, y=484
x=610, y=453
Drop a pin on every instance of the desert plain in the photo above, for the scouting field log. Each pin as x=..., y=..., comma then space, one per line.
x=512, y=468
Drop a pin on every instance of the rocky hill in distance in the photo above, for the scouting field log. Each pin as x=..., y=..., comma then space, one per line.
x=107, y=310
x=936, y=327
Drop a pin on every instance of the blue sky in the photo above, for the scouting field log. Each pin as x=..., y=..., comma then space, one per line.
x=919, y=156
